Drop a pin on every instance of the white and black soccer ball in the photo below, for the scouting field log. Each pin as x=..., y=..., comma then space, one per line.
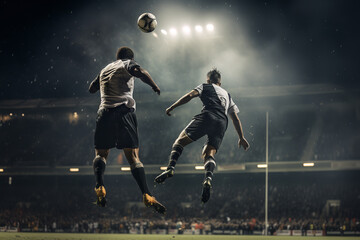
x=147, y=22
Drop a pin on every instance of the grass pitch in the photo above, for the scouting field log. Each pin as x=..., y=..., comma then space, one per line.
x=83, y=236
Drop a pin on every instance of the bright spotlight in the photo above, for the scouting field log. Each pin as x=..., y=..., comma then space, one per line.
x=163, y=31
x=210, y=27
x=125, y=168
x=198, y=28
x=186, y=30
x=173, y=32
x=74, y=169
x=163, y=168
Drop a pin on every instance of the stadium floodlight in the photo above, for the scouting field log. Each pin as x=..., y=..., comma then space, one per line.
x=198, y=28
x=11, y=114
x=199, y=167
x=1, y=170
x=163, y=31
x=262, y=165
x=210, y=27
x=125, y=169
x=186, y=30
x=74, y=169
x=23, y=114
x=163, y=168
x=173, y=32
x=309, y=164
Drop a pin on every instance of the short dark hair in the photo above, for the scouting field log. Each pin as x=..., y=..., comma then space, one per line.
x=124, y=53
x=214, y=76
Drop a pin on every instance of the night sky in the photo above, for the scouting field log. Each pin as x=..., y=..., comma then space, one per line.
x=55, y=48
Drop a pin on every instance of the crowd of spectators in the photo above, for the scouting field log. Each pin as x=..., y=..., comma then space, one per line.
x=296, y=201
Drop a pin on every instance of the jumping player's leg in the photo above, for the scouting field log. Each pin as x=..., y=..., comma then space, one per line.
x=208, y=155
x=178, y=147
x=104, y=139
x=138, y=172
x=137, y=168
x=209, y=165
x=99, y=164
x=215, y=136
x=176, y=151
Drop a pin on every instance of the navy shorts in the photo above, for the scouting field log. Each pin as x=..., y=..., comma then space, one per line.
x=210, y=124
x=116, y=127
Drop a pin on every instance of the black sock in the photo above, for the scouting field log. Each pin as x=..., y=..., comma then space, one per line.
x=138, y=173
x=174, y=155
x=209, y=166
x=99, y=165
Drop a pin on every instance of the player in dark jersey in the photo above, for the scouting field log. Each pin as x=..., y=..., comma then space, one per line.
x=116, y=124
x=212, y=121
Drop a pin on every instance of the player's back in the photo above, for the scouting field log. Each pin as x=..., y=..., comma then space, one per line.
x=117, y=85
x=216, y=100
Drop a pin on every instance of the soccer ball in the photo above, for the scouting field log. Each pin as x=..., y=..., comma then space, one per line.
x=147, y=22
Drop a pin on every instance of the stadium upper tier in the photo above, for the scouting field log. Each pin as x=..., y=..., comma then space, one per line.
x=259, y=92
x=307, y=123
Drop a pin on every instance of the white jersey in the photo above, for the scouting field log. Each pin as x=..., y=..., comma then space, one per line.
x=117, y=84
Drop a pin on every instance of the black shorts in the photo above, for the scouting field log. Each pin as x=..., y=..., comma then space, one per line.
x=116, y=127
x=207, y=123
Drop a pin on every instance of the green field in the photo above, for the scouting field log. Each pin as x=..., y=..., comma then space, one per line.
x=82, y=236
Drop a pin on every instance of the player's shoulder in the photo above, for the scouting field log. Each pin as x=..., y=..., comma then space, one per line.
x=130, y=64
x=200, y=87
x=210, y=87
x=113, y=64
x=219, y=88
x=222, y=91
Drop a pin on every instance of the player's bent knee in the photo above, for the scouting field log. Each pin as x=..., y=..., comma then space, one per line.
x=98, y=159
x=102, y=152
x=183, y=140
x=132, y=155
x=136, y=164
x=208, y=151
x=206, y=156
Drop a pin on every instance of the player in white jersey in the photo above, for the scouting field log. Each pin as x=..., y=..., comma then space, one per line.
x=212, y=121
x=116, y=124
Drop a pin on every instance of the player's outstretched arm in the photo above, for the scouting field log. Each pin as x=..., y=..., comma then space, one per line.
x=184, y=99
x=237, y=124
x=95, y=85
x=144, y=76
